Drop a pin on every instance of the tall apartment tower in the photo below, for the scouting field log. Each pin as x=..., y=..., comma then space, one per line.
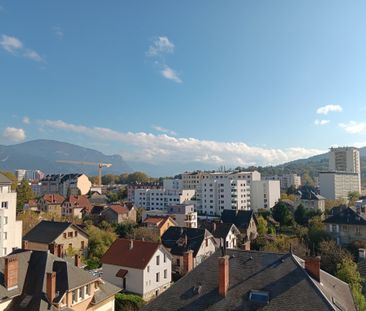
x=345, y=159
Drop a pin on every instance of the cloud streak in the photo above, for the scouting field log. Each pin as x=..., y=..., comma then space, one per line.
x=159, y=46
x=14, y=134
x=163, y=148
x=321, y=122
x=329, y=108
x=170, y=74
x=354, y=127
x=14, y=46
x=164, y=130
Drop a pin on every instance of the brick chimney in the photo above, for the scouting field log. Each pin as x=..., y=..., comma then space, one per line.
x=60, y=250
x=223, y=275
x=187, y=261
x=77, y=260
x=51, y=286
x=246, y=246
x=312, y=266
x=11, y=272
x=25, y=244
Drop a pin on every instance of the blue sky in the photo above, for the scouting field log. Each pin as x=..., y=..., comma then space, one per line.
x=174, y=82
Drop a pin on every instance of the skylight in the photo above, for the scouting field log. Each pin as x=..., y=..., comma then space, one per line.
x=259, y=296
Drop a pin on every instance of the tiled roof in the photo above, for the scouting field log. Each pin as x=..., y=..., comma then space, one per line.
x=119, y=209
x=32, y=268
x=48, y=231
x=53, y=198
x=240, y=219
x=221, y=229
x=121, y=254
x=80, y=201
x=281, y=275
x=347, y=216
x=181, y=239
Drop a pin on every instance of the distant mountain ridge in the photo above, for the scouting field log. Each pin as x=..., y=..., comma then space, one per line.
x=42, y=154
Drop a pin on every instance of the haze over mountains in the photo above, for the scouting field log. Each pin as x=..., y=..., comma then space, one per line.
x=43, y=154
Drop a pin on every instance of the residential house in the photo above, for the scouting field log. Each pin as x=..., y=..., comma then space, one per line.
x=118, y=213
x=97, y=199
x=225, y=234
x=139, y=267
x=75, y=206
x=66, y=184
x=10, y=228
x=51, y=203
x=346, y=226
x=245, y=221
x=40, y=281
x=192, y=245
x=31, y=205
x=159, y=223
x=58, y=237
x=252, y=280
x=312, y=201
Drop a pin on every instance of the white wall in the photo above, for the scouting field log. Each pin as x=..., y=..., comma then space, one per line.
x=265, y=194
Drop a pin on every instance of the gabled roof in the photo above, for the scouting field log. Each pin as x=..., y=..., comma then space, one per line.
x=159, y=221
x=53, y=198
x=347, y=216
x=181, y=239
x=118, y=209
x=310, y=195
x=4, y=180
x=32, y=269
x=282, y=276
x=220, y=230
x=120, y=253
x=240, y=219
x=79, y=201
x=48, y=231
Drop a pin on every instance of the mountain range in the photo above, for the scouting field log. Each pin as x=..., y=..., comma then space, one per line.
x=43, y=155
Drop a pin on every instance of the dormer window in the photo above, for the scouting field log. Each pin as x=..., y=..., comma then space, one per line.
x=259, y=296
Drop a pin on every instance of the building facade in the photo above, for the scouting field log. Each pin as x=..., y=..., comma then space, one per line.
x=286, y=180
x=66, y=184
x=10, y=228
x=336, y=185
x=264, y=194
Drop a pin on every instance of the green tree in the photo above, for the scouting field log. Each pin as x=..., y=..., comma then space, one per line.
x=353, y=196
x=332, y=256
x=262, y=226
x=144, y=233
x=24, y=194
x=316, y=234
x=140, y=177
x=300, y=215
x=282, y=214
x=128, y=302
x=124, y=229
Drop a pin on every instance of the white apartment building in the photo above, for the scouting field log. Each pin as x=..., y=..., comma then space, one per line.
x=160, y=199
x=286, y=180
x=10, y=228
x=173, y=184
x=264, y=194
x=336, y=185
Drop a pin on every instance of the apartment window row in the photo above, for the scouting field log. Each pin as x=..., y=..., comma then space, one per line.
x=70, y=234
x=4, y=204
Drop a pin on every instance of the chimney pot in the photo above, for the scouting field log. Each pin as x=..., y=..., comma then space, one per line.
x=11, y=272
x=312, y=266
x=77, y=260
x=223, y=275
x=187, y=261
x=51, y=286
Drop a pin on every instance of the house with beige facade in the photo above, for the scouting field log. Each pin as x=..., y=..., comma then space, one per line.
x=160, y=224
x=75, y=206
x=39, y=280
x=139, y=267
x=60, y=238
x=119, y=213
x=51, y=203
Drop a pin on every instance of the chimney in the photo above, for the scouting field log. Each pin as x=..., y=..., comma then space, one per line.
x=25, y=244
x=51, y=286
x=361, y=254
x=223, y=275
x=131, y=245
x=187, y=261
x=312, y=266
x=77, y=260
x=11, y=272
x=60, y=250
x=246, y=246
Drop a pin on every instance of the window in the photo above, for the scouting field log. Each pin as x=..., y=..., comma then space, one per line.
x=157, y=277
x=65, y=235
x=5, y=235
x=206, y=242
x=76, y=234
x=164, y=258
x=157, y=260
x=87, y=290
x=5, y=251
x=81, y=293
x=70, y=234
x=82, y=244
x=74, y=296
x=344, y=228
x=148, y=268
x=4, y=204
x=5, y=220
x=165, y=273
x=178, y=262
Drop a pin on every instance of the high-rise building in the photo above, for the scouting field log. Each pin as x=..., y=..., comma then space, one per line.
x=10, y=228
x=344, y=174
x=264, y=194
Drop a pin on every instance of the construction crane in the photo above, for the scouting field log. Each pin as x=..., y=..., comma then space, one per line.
x=100, y=166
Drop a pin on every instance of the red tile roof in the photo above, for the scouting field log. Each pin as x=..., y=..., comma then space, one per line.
x=137, y=257
x=80, y=201
x=159, y=221
x=54, y=198
x=119, y=209
x=32, y=203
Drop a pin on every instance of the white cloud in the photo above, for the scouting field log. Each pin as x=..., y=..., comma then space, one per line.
x=58, y=31
x=10, y=44
x=354, y=127
x=26, y=120
x=160, y=45
x=33, y=55
x=321, y=122
x=170, y=74
x=164, y=130
x=14, y=134
x=329, y=108
x=163, y=148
